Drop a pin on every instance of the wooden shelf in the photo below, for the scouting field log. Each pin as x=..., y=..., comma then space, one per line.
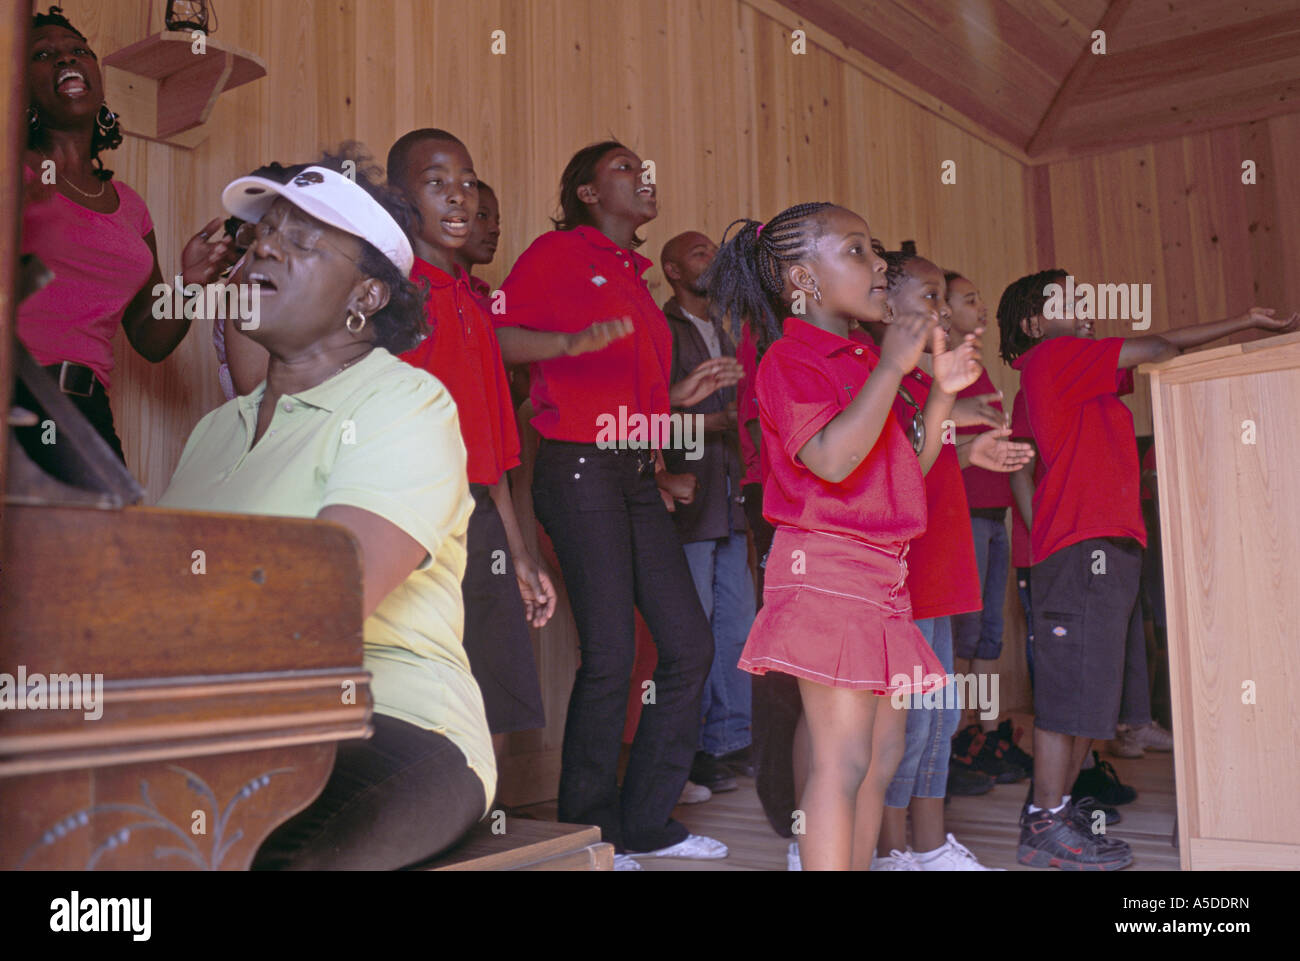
x=165, y=91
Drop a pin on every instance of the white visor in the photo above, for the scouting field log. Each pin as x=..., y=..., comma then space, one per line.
x=331, y=198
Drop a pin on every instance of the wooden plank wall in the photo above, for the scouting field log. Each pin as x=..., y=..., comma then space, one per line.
x=736, y=123
x=709, y=89
x=1176, y=214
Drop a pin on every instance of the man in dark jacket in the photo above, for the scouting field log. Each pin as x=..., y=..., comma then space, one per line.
x=712, y=527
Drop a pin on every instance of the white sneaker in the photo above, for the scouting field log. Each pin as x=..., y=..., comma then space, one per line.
x=896, y=861
x=792, y=862
x=623, y=862
x=696, y=847
x=694, y=794
x=1153, y=737
x=1126, y=743
x=951, y=857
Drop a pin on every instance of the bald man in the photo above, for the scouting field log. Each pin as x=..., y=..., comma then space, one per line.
x=712, y=527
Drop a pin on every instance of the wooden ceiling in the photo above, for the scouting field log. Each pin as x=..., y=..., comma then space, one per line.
x=1023, y=70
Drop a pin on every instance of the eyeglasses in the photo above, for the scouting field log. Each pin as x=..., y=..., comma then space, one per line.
x=292, y=238
x=917, y=430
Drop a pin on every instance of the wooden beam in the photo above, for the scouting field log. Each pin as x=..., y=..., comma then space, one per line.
x=1074, y=82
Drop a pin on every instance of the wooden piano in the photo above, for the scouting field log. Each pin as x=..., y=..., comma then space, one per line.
x=229, y=648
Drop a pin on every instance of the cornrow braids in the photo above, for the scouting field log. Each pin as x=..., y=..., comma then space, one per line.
x=1021, y=300
x=896, y=261
x=745, y=279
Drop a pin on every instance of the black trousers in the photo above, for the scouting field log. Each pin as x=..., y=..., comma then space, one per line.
x=619, y=551
x=776, y=703
x=401, y=797
x=33, y=439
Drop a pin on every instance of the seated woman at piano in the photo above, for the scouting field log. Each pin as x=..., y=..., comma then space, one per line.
x=341, y=430
x=94, y=234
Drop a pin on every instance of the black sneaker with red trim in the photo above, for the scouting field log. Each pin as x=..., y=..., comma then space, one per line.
x=975, y=749
x=1053, y=840
x=1009, y=742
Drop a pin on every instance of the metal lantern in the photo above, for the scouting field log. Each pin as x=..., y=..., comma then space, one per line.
x=188, y=15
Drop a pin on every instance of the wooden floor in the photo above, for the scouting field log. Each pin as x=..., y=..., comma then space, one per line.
x=987, y=824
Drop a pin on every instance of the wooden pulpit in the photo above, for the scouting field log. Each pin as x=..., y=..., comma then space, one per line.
x=1227, y=431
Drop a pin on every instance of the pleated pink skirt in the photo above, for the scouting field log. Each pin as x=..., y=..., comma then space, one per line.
x=837, y=611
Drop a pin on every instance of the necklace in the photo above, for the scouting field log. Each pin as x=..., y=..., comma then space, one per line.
x=351, y=362
x=102, y=184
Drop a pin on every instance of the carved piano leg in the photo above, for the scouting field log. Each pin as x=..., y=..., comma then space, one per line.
x=201, y=813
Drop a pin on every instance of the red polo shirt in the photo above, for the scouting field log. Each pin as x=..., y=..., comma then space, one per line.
x=747, y=405
x=805, y=379
x=1021, y=555
x=482, y=292
x=1085, y=442
x=566, y=281
x=462, y=352
x=984, y=488
x=942, y=574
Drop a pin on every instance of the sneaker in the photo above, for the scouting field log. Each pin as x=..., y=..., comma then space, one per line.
x=964, y=781
x=1009, y=742
x=792, y=862
x=694, y=794
x=624, y=862
x=1101, y=782
x=951, y=857
x=1126, y=743
x=712, y=773
x=1052, y=840
x=696, y=847
x=896, y=861
x=1084, y=808
x=987, y=756
x=1153, y=737
x=1081, y=810
x=740, y=763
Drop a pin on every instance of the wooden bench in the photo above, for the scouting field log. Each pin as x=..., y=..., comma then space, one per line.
x=527, y=845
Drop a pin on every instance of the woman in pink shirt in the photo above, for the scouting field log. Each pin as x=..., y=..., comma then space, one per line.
x=93, y=233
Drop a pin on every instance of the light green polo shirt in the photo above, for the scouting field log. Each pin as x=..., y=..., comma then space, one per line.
x=384, y=437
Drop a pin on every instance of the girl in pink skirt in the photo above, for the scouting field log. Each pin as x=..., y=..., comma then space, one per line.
x=844, y=488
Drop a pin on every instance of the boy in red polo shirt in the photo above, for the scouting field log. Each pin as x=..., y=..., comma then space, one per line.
x=1086, y=539
x=436, y=173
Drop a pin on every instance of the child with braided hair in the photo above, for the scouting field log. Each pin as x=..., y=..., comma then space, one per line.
x=845, y=491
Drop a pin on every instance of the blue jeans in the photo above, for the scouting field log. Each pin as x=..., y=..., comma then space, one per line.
x=720, y=569
x=979, y=633
x=923, y=772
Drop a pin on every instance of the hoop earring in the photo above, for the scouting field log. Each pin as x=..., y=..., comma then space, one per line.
x=105, y=120
x=33, y=119
x=348, y=323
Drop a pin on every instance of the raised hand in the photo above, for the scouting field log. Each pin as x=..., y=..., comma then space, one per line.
x=905, y=337
x=598, y=336
x=204, y=259
x=956, y=369
x=993, y=451
x=712, y=375
x=978, y=411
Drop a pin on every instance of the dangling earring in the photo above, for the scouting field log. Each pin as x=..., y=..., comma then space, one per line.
x=33, y=119
x=105, y=120
x=348, y=323
x=817, y=293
